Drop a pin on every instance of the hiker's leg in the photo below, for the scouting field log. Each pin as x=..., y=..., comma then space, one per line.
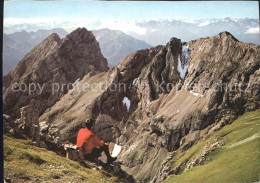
x=96, y=152
x=89, y=157
x=94, y=155
x=104, y=148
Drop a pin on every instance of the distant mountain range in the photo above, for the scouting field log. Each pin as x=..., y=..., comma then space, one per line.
x=115, y=45
x=158, y=31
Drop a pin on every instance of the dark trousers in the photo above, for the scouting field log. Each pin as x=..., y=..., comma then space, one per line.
x=96, y=153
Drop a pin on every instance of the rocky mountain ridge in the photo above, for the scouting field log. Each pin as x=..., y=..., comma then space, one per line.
x=246, y=30
x=150, y=30
x=161, y=99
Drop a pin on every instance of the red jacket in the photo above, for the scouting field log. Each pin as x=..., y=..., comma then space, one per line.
x=87, y=140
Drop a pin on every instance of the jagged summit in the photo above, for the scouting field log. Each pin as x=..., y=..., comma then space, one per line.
x=54, y=36
x=174, y=45
x=226, y=34
x=81, y=44
x=80, y=35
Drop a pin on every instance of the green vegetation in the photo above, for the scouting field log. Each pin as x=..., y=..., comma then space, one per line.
x=238, y=160
x=25, y=162
x=181, y=157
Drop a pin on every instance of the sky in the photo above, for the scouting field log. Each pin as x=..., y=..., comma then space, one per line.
x=130, y=10
x=118, y=15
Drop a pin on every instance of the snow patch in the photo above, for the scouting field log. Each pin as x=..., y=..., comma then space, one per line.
x=127, y=102
x=47, y=110
x=234, y=19
x=189, y=21
x=196, y=94
x=134, y=81
x=183, y=61
x=185, y=52
x=193, y=93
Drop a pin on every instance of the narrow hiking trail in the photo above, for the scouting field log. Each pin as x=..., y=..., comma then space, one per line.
x=245, y=140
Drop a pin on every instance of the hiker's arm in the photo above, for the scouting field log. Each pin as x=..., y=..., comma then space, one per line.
x=97, y=142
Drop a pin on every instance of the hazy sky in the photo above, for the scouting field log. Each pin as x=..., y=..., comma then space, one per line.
x=130, y=10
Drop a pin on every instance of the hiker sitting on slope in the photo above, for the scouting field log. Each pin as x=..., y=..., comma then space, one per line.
x=90, y=144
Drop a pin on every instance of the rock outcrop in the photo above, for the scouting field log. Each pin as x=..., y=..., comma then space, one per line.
x=28, y=123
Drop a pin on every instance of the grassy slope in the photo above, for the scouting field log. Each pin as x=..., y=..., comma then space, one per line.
x=24, y=162
x=237, y=163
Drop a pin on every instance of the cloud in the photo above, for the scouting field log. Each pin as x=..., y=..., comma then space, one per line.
x=122, y=25
x=72, y=24
x=204, y=23
x=253, y=30
x=190, y=21
x=132, y=27
x=154, y=30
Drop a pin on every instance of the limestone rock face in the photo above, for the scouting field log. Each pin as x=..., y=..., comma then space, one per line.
x=28, y=124
x=48, y=71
